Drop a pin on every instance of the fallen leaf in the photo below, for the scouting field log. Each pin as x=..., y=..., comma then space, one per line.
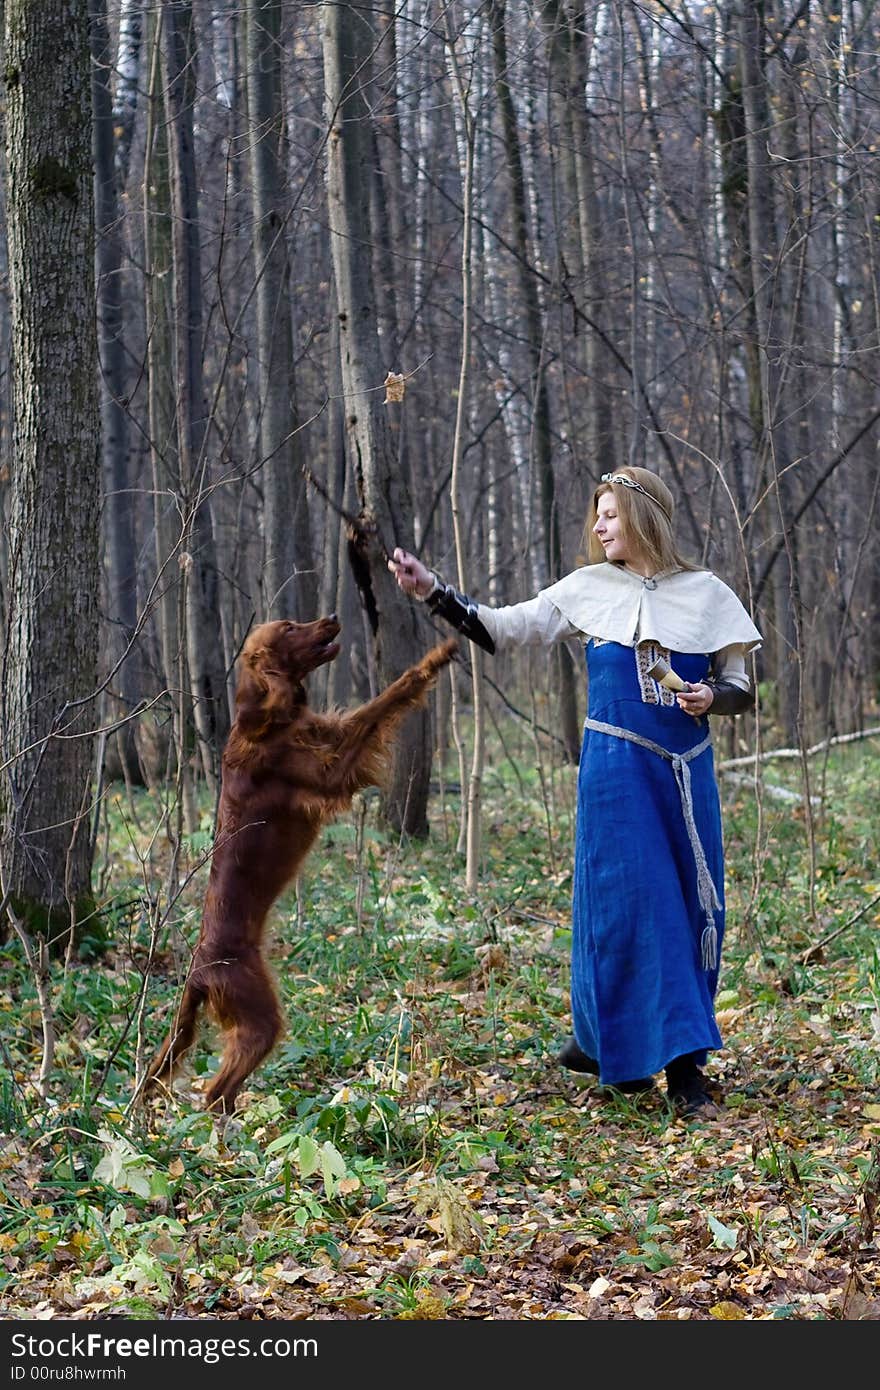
x=727, y=1311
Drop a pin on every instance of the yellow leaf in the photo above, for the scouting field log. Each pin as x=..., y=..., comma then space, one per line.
x=872, y=1111
x=395, y=386
x=727, y=1311
x=428, y=1308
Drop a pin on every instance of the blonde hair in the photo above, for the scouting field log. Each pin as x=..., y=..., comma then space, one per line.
x=645, y=510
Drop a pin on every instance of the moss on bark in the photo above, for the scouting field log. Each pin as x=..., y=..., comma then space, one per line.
x=53, y=923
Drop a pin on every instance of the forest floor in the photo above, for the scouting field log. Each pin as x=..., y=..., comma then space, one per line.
x=410, y=1150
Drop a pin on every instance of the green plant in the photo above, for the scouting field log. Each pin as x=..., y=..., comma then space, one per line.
x=416, y=1064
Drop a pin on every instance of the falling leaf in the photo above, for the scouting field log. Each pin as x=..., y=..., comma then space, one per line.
x=395, y=386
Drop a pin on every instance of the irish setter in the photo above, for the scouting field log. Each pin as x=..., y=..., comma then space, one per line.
x=286, y=770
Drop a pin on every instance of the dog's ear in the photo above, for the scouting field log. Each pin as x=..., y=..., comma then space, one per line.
x=250, y=699
x=264, y=695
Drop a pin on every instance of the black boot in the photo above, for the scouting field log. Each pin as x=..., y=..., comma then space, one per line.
x=686, y=1088
x=570, y=1055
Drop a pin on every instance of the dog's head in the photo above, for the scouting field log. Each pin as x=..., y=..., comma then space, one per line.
x=274, y=661
x=291, y=649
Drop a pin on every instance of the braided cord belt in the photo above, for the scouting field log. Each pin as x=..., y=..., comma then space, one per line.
x=707, y=893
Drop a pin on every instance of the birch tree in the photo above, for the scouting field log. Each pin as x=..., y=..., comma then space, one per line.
x=119, y=522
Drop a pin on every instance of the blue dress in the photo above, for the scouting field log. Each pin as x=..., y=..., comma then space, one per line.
x=640, y=991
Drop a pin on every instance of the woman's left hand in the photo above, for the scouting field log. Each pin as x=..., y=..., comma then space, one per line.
x=696, y=700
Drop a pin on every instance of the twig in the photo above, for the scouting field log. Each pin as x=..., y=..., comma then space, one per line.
x=832, y=936
x=38, y=964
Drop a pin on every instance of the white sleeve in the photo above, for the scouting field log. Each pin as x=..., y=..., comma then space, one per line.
x=729, y=664
x=535, y=623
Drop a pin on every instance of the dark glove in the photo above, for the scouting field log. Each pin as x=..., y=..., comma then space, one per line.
x=460, y=612
x=729, y=698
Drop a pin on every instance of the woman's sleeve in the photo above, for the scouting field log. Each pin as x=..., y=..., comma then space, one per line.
x=535, y=623
x=731, y=687
x=729, y=664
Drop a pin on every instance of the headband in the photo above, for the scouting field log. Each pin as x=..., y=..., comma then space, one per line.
x=626, y=481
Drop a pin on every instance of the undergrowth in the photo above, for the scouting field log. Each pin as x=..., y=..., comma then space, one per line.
x=410, y=1149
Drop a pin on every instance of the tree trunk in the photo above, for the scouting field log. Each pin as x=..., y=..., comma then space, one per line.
x=118, y=520
x=50, y=667
x=289, y=579
x=385, y=508
x=474, y=781
x=764, y=260
x=541, y=429
x=199, y=568
x=162, y=427
x=570, y=36
x=127, y=84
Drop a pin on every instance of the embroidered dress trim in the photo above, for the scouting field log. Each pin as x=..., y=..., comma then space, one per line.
x=653, y=693
x=707, y=893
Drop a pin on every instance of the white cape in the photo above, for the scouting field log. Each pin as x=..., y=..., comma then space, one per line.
x=682, y=610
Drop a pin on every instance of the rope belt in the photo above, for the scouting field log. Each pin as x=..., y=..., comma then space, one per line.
x=706, y=890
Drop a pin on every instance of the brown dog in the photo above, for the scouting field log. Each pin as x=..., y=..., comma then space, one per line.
x=286, y=771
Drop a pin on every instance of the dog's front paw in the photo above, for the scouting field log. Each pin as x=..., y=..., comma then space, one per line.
x=438, y=657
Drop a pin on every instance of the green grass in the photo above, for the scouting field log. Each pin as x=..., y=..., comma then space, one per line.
x=409, y=1150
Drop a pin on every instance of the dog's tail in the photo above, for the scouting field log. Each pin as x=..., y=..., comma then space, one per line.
x=179, y=1040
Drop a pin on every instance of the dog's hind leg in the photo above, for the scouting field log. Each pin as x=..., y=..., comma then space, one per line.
x=247, y=1009
x=179, y=1040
